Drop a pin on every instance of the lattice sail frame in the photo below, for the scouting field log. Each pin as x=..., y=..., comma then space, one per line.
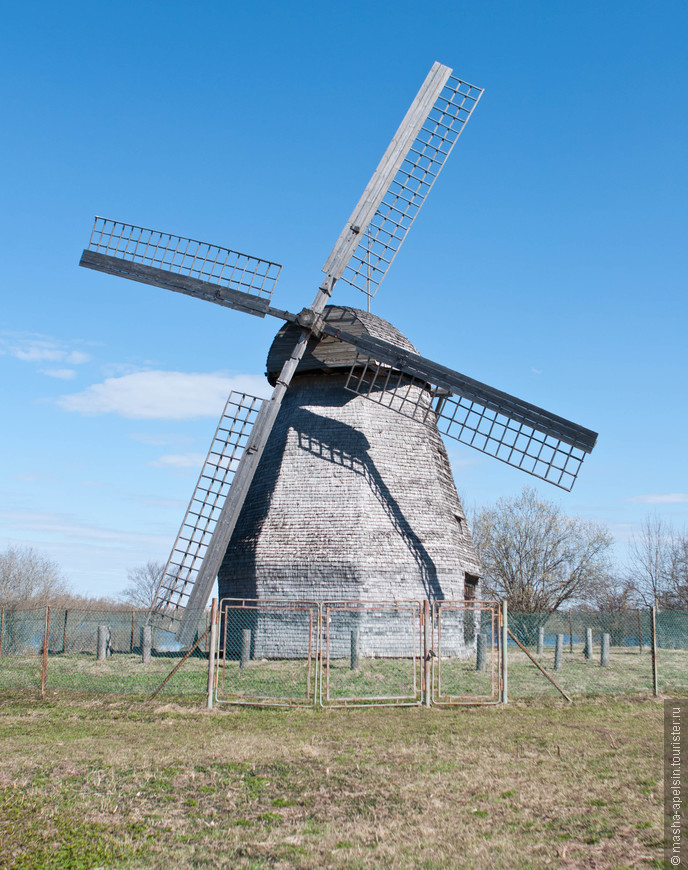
x=483, y=425
x=228, y=445
x=411, y=184
x=200, y=260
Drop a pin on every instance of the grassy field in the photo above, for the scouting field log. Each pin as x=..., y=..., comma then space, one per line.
x=111, y=784
x=629, y=672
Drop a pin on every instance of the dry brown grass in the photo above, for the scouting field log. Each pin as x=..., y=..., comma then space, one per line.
x=527, y=786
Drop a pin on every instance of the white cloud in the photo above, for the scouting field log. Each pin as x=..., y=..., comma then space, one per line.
x=180, y=460
x=35, y=348
x=659, y=498
x=38, y=352
x=62, y=374
x=162, y=395
x=77, y=358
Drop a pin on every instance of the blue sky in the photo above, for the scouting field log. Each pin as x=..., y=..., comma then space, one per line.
x=548, y=261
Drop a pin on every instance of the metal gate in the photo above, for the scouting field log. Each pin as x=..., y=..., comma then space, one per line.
x=268, y=652
x=358, y=653
x=372, y=653
x=466, y=652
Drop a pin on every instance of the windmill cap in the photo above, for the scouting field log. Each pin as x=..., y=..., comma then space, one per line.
x=329, y=354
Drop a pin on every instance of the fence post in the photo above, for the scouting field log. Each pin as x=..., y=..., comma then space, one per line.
x=131, y=641
x=541, y=640
x=559, y=652
x=588, y=643
x=46, y=641
x=103, y=642
x=211, y=654
x=355, y=656
x=505, y=664
x=2, y=626
x=653, y=626
x=570, y=632
x=481, y=653
x=604, y=654
x=245, y=656
x=64, y=633
x=426, y=652
x=146, y=643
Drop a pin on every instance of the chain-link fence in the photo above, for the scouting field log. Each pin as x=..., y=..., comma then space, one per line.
x=268, y=652
x=591, y=653
x=347, y=653
x=466, y=660
x=97, y=652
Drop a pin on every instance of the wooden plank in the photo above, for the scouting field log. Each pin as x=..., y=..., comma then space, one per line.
x=205, y=290
x=433, y=373
x=383, y=176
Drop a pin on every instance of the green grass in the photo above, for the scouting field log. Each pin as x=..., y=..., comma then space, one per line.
x=130, y=785
x=629, y=672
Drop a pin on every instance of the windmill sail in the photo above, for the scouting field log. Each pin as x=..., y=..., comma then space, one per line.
x=378, y=225
x=512, y=430
x=183, y=265
x=202, y=515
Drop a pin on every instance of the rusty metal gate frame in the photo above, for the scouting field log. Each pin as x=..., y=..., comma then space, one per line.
x=312, y=654
x=415, y=611
x=495, y=657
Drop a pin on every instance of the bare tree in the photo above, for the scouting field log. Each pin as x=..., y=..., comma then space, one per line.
x=144, y=581
x=28, y=578
x=676, y=592
x=650, y=557
x=537, y=558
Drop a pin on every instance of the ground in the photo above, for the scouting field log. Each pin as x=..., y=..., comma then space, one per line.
x=88, y=784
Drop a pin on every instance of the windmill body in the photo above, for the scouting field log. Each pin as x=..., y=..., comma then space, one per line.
x=349, y=501
x=339, y=485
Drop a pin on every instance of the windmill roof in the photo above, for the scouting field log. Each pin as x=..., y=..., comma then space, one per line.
x=327, y=353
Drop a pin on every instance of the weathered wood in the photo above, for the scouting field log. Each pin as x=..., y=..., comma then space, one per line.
x=328, y=353
x=541, y=641
x=559, y=652
x=433, y=373
x=383, y=176
x=588, y=643
x=176, y=282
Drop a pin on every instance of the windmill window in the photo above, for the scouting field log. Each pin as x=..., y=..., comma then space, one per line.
x=470, y=587
x=459, y=523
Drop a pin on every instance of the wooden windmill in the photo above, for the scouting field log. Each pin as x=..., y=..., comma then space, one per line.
x=351, y=359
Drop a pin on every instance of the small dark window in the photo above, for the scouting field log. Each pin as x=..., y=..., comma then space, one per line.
x=470, y=587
